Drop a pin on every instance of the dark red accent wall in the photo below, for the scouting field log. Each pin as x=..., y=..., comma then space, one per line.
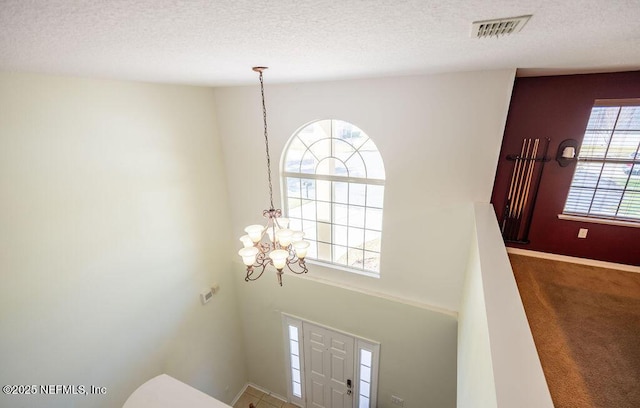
x=558, y=107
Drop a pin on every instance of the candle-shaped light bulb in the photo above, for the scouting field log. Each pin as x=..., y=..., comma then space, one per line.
x=248, y=255
x=301, y=248
x=279, y=258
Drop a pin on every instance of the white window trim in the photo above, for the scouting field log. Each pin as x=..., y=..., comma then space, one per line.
x=286, y=322
x=313, y=176
x=374, y=348
x=595, y=220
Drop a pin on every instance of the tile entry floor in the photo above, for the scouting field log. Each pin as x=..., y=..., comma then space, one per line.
x=260, y=400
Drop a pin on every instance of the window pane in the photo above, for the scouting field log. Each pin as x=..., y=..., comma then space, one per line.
x=324, y=251
x=623, y=145
x=295, y=223
x=605, y=203
x=365, y=374
x=312, y=252
x=310, y=230
x=335, y=215
x=357, y=193
x=332, y=167
x=365, y=388
x=295, y=374
x=293, y=187
x=293, y=333
x=603, y=117
x=321, y=149
x=372, y=240
x=365, y=357
x=340, y=192
x=629, y=118
x=295, y=362
x=587, y=175
x=375, y=195
x=340, y=235
x=630, y=207
x=356, y=166
x=309, y=210
x=340, y=254
x=294, y=155
x=324, y=211
x=324, y=232
x=594, y=144
x=372, y=261
x=349, y=133
x=356, y=258
x=579, y=200
x=355, y=237
x=308, y=189
x=323, y=192
x=293, y=346
x=315, y=131
x=364, y=402
x=297, y=390
x=373, y=161
x=342, y=149
x=374, y=219
x=340, y=214
x=294, y=206
x=308, y=163
x=356, y=216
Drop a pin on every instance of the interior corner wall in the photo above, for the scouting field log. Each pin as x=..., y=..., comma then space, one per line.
x=110, y=201
x=439, y=137
x=558, y=107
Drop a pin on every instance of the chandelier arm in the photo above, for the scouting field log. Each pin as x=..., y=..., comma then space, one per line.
x=300, y=263
x=251, y=270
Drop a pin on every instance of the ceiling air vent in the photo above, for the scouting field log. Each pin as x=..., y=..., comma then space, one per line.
x=498, y=27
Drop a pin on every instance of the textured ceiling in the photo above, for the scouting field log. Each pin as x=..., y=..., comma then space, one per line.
x=216, y=42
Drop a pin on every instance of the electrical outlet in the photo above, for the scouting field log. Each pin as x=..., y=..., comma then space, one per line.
x=397, y=401
x=582, y=233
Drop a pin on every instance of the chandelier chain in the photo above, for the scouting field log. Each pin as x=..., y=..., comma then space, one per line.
x=266, y=140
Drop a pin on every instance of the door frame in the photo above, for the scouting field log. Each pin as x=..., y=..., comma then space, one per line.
x=360, y=343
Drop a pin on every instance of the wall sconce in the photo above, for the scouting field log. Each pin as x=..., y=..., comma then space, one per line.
x=567, y=152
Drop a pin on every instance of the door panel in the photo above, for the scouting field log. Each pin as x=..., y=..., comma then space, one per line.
x=329, y=360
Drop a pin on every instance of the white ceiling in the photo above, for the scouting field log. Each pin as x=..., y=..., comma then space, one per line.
x=216, y=42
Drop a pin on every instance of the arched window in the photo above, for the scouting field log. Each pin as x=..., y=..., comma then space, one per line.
x=334, y=189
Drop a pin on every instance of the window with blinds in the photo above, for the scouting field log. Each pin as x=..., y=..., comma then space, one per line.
x=606, y=182
x=333, y=178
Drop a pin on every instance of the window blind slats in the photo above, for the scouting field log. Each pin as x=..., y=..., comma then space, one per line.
x=606, y=182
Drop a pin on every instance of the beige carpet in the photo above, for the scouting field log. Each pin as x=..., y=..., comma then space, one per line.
x=586, y=326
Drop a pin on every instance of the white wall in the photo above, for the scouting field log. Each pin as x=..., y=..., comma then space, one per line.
x=110, y=196
x=417, y=352
x=439, y=137
x=498, y=365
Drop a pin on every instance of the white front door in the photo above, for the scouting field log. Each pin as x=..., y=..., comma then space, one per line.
x=329, y=363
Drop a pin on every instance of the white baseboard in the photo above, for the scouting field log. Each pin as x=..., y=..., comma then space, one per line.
x=575, y=260
x=280, y=397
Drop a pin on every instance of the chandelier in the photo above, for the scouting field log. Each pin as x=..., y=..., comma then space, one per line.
x=274, y=243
